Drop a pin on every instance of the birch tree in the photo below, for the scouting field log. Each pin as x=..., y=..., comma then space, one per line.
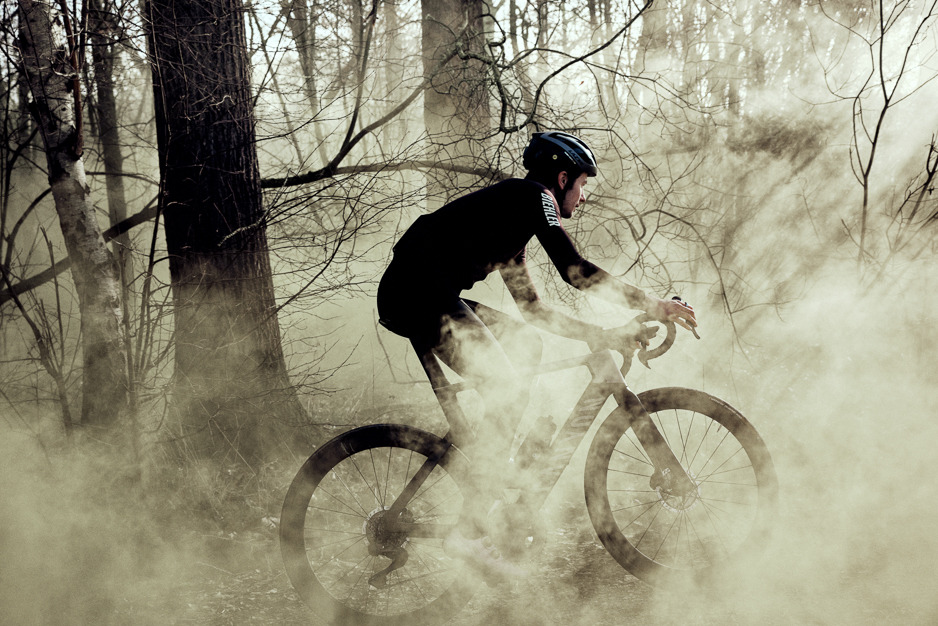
x=50, y=61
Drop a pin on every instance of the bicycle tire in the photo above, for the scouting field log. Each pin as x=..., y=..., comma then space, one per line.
x=701, y=537
x=328, y=533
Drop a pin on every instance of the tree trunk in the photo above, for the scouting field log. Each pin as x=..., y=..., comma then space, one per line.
x=52, y=83
x=543, y=27
x=394, y=131
x=102, y=28
x=652, y=57
x=514, y=17
x=303, y=31
x=611, y=59
x=231, y=378
x=456, y=104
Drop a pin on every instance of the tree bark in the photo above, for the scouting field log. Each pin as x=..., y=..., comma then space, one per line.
x=231, y=378
x=456, y=104
x=52, y=85
x=102, y=28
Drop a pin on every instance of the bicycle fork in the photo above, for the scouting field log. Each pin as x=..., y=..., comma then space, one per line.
x=669, y=475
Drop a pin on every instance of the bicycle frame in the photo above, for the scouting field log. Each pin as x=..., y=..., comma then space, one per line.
x=607, y=380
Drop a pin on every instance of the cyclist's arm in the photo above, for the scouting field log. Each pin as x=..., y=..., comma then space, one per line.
x=587, y=277
x=535, y=311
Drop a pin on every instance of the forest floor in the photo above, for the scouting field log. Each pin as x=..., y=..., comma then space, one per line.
x=576, y=582
x=204, y=549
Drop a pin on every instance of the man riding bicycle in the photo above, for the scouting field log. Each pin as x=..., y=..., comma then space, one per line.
x=446, y=252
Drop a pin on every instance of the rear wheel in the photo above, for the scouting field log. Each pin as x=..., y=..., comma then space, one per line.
x=341, y=554
x=661, y=535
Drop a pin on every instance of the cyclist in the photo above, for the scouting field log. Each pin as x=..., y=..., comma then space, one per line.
x=449, y=250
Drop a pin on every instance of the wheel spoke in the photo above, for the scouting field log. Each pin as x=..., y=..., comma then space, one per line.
x=648, y=506
x=642, y=458
x=387, y=474
x=641, y=474
x=664, y=540
x=709, y=425
x=335, y=557
x=718, y=469
x=361, y=512
x=338, y=475
x=366, y=482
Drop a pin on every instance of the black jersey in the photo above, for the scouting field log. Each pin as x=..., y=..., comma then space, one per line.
x=465, y=240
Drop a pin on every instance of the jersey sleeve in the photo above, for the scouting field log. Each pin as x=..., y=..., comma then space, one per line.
x=518, y=280
x=573, y=268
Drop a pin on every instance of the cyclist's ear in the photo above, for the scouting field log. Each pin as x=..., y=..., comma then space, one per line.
x=562, y=179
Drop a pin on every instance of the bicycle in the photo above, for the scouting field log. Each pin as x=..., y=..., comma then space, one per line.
x=679, y=486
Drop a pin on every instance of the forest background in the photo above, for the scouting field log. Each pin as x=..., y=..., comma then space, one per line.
x=197, y=200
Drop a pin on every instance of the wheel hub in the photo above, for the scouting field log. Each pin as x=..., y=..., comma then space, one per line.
x=381, y=539
x=672, y=499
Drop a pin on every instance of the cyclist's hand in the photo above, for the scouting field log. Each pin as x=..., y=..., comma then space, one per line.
x=674, y=310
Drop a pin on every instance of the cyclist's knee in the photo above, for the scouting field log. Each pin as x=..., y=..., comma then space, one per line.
x=521, y=341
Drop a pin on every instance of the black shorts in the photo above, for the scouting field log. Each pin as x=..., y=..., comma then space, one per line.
x=413, y=303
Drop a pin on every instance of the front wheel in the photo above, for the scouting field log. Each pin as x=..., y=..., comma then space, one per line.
x=659, y=534
x=341, y=553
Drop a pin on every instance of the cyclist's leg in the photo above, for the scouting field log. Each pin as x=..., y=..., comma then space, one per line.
x=442, y=322
x=524, y=346
x=470, y=348
x=521, y=342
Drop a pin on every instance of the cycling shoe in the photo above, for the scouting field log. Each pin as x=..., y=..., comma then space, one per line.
x=481, y=556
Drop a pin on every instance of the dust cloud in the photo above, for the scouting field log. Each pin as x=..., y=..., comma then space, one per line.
x=840, y=384
x=842, y=389
x=844, y=393
x=838, y=377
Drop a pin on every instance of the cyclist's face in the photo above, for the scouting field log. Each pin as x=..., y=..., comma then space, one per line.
x=575, y=194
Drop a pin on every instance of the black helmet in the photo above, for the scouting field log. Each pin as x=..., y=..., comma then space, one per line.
x=556, y=152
